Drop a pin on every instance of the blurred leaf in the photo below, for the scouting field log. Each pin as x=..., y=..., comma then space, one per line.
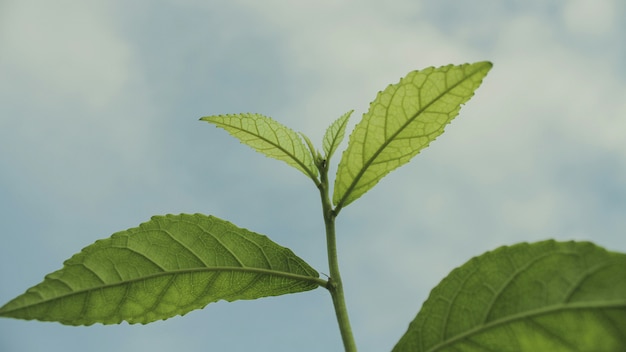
x=401, y=121
x=545, y=296
x=314, y=153
x=167, y=266
x=269, y=137
x=334, y=134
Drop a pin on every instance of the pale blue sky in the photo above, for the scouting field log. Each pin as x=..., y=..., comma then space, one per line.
x=99, y=130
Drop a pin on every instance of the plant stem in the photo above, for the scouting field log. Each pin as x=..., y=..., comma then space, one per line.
x=335, y=285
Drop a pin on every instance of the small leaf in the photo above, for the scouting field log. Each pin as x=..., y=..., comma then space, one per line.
x=314, y=153
x=334, y=134
x=269, y=137
x=401, y=121
x=545, y=296
x=167, y=266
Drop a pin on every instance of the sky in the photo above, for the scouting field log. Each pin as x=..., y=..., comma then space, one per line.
x=99, y=130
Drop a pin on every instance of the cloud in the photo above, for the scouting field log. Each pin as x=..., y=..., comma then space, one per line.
x=64, y=47
x=74, y=84
x=591, y=17
x=343, y=53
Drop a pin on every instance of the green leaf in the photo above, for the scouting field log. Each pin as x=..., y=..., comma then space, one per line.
x=167, y=266
x=401, y=121
x=314, y=153
x=545, y=296
x=334, y=135
x=269, y=137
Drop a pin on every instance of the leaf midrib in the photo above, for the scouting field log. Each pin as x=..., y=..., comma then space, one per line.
x=336, y=140
x=302, y=165
x=310, y=279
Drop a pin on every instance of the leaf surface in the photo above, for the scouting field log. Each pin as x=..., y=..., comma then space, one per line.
x=269, y=137
x=314, y=153
x=167, y=266
x=334, y=135
x=545, y=296
x=401, y=121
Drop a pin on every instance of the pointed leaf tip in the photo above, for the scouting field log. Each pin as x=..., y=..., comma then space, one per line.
x=167, y=266
x=334, y=134
x=269, y=137
x=403, y=119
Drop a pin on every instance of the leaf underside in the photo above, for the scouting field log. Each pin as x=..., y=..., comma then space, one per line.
x=269, y=137
x=334, y=135
x=401, y=121
x=545, y=296
x=167, y=266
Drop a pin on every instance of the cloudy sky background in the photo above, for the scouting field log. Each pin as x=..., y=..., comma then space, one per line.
x=99, y=130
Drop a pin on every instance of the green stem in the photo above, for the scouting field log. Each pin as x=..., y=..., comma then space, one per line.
x=335, y=285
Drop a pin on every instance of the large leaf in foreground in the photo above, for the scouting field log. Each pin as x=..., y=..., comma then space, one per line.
x=167, y=266
x=401, y=121
x=269, y=137
x=546, y=296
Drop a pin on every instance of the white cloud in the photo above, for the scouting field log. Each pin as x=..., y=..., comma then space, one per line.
x=344, y=52
x=592, y=17
x=67, y=49
x=74, y=97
